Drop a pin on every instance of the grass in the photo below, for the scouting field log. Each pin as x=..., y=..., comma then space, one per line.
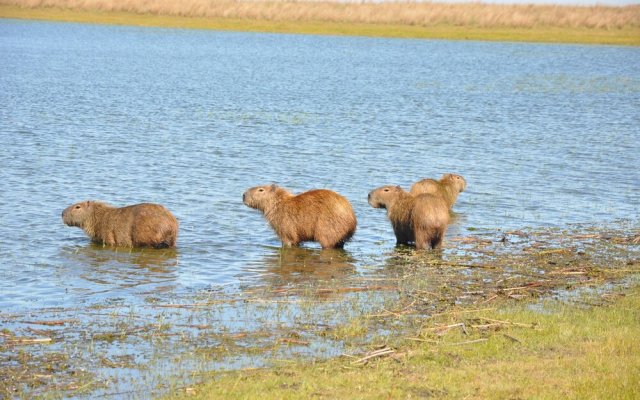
x=413, y=324
x=552, y=24
x=553, y=350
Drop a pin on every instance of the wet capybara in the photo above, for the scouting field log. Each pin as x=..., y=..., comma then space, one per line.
x=420, y=219
x=139, y=225
x=448, y=187
x=318, y=215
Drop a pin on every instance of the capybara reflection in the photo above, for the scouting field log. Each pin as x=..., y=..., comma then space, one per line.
x=139, y=225
x=418, y=219
x=448, y=187
x=318, y=215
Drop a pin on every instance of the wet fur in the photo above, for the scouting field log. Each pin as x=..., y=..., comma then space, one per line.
x=448, y=187
x=318, y=215
x=421, y=219
x=140, y=225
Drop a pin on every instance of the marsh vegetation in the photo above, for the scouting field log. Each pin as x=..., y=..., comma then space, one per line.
x=503, y=298
x=548, y=23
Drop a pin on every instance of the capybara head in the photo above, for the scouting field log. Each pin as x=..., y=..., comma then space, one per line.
x=384, y=195
x=260, y=197
x=456, y=181
x=76, y=214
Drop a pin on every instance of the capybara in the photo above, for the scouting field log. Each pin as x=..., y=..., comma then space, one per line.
x=139, y=225
x=420, y=219
x=318, y=215
x=448, y=187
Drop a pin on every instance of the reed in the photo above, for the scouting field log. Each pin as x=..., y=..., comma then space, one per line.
x=395, y=13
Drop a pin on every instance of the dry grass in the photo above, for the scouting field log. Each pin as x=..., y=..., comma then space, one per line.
x=396, y=13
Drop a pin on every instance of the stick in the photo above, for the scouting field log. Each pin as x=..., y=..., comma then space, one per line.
x=49, y=323
x=513, y=338
x=508, y=322
x=464, y=311
x=19, y=341
x=467, y=342
x=379, y=353
x=293, y=341
x=421, y=340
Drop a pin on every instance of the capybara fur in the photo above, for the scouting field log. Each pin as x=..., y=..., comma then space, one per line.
x=421, y=219
x=448, y=187
x=139, y=225
x=318, y=215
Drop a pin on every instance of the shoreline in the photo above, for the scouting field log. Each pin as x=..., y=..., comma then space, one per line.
x=625, y=36
x=484, y=303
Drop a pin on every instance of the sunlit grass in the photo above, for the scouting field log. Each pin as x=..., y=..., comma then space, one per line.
x=554, y=350
x=622, y=26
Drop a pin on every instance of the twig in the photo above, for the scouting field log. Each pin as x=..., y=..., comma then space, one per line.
x=192, y=305
x=508, y=322
x=464, y=311
x=490, y=298
x=421, y=340
x=378, y=353
x=20, y=341
x=467, y=342
x=49, y=323
x=293, y=341
x=568, y=273
x=486, y=326
x=513, y=338
x=445, y=327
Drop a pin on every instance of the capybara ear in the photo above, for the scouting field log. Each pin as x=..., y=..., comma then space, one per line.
x=273, y=186
x=398, y=188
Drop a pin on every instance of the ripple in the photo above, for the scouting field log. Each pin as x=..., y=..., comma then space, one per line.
x=191, y=120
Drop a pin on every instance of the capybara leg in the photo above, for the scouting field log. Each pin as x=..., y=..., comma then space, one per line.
x=288, y=242
x=436, y=242
x=330, y=245
x=438, y=238
x=422, y=241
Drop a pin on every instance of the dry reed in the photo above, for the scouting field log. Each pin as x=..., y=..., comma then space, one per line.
x=402, y=13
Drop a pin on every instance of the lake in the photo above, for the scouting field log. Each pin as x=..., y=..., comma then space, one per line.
x=546, y=136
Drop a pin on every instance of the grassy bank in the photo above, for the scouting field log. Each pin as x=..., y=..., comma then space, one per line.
x=582, y=349
x=473, y=321
x=594, y=25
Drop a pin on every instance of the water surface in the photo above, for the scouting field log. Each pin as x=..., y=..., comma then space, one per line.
x=546, y=135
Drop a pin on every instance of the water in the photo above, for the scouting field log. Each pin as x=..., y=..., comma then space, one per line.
x=546, y=136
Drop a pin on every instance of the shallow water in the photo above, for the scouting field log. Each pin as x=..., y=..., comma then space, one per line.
x=546, y=135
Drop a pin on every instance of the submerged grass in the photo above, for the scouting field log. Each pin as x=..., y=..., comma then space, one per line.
x=416, y=324
x=551, y=24
x=555, y=349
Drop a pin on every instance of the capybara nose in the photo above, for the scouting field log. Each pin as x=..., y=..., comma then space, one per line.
x=244, y=196
x=369, y=196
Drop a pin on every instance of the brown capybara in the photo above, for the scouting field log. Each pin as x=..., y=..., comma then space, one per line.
x=139, y=225
x=421, y=219
x=448, y=187
x=318, y=215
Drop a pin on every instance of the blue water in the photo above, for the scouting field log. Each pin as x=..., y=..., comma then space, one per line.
x=546, y=135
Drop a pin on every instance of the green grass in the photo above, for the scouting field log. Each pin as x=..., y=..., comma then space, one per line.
x=630, y=36
x=553, y=350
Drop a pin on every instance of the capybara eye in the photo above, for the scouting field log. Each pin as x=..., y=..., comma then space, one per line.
x=78, y=207
x=386, y=190
x=261, y=190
